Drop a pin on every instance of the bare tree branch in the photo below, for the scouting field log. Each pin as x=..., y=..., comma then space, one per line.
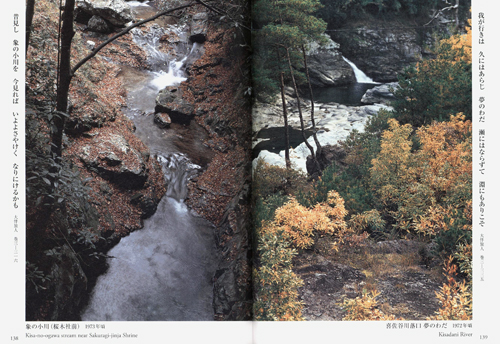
x=163, y=13
x=441, y=12
x=213, y=9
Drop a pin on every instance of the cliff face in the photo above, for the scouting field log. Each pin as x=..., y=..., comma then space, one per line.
x=384, y=46
x=379, y=48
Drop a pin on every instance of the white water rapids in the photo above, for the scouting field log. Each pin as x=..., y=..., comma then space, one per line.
x=361, y=77
x=163, y=271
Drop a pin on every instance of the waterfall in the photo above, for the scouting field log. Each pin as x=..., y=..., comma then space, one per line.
x=163, y=271
x=360, y=76
x=137, y=4
x=174, y=74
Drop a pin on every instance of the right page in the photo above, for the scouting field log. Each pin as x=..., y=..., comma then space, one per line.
x=369, y=181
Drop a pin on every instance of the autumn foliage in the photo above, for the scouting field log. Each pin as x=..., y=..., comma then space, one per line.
x=422, y=190
x=276, y=285
x=299, y=224
x=294, y=226
x=364, y=308
x=455, y=297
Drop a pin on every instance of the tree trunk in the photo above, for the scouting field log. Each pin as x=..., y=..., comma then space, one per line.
x=318, y=145
x=285, y=114
x=285, y=118
x=30, y=11
x=311, y=149
x=65, y=76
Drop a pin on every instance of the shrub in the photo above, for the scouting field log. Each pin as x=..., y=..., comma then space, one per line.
x=276, y=285
x=455, y=297
x=264, y=208
x=420, y=190
x=354, y=191
x=271, y=179
x=299, y=224
x=368, y=221
x=464, y=256
x=364, y=308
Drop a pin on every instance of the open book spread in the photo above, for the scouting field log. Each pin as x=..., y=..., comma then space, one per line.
x=267, y=161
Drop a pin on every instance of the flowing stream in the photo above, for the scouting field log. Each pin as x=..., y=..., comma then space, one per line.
x=163, y=271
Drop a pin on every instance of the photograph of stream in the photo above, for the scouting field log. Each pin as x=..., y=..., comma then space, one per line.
x=304, y=160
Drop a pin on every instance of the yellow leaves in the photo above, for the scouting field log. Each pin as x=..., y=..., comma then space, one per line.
x=416, y=183
x=299, y=223
x=364, y=308
x=455, y=297
x=461, y=44
x=390, y=165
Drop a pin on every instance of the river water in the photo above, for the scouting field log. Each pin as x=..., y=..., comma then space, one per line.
x=163, y=271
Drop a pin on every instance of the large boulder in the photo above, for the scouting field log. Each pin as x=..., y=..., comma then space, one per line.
x=98, y=24
x=379, y=49
x=114, y=158
x=171, y=102
x=327, y=67
x=382, y=94
x=117, y=12
x=199, y=26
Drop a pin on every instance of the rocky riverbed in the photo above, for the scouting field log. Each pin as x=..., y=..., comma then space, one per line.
x=334, y=122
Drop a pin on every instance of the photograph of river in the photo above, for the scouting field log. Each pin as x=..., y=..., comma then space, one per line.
x=140, y=212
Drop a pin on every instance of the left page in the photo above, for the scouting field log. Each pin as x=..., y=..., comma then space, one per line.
x=129, y=141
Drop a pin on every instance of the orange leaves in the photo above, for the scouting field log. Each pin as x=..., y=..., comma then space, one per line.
x=446, y=156
x=391, y=166
x=455, y=297
x=365, y=308
x=462, y=44
x=424, y=186
x=299, y=223
x=447, y=152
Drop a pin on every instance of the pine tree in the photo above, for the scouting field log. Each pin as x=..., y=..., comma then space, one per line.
x=286, y=26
